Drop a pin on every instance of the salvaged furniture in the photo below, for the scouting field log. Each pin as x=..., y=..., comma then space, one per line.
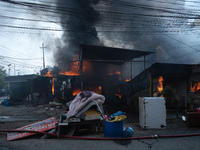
x=87, y=117
x=192, y=118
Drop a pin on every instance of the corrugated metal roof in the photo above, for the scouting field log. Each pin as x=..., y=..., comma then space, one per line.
x=20, y=78
x=110, y=54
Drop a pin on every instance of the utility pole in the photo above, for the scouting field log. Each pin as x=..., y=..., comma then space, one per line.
x=43, y=47
x=9, y=69
x=14, y=69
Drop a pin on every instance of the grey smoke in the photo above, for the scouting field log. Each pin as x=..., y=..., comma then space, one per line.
x=169, y=37
x=128, y=24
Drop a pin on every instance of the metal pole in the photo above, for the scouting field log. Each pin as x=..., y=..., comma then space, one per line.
x=121, y=71
x=9, y=69
x=43, y=47
x=81, y=67
x=131, y=69
x=150, y=86
x=144, y=63
x=14, y=69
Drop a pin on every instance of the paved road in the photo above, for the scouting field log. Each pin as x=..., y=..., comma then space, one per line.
x=183, y=143
x=174, y=126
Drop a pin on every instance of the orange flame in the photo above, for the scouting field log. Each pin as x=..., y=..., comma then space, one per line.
x=95, y=89
x=75, y=70
x=98, y=90
x=128, y=79
x=53, y=84
x=119, y=95
x=160, y=84
x=49, y=74
x=195, y=87
x=76, y=91
x=115, y=73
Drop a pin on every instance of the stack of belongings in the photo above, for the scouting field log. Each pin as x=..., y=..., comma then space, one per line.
x=87, y=105
x=118, y=116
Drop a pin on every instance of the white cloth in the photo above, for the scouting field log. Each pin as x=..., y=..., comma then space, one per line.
x=82, y=99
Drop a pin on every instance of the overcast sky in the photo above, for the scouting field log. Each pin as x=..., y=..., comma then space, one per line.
x=23, y=30
x=22, y=35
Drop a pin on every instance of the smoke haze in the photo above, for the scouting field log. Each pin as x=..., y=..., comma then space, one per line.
x=158, y=26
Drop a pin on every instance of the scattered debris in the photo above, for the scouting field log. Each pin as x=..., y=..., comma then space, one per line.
x=44, y=125
x=48, y=136
x=192, y=118
x=183, y=118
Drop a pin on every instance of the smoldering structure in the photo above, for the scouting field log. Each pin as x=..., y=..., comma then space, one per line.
x=105, y=23
x=86, y=22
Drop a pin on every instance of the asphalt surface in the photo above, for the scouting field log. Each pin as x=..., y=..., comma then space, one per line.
x=183, y=143
x=175, y=126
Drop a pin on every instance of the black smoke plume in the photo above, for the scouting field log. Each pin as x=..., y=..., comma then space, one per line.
x=78, y=19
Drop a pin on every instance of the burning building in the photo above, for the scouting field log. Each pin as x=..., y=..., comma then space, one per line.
x=184, y=78
x=97, y=69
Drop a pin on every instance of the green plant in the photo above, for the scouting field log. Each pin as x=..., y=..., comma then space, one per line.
x=172, y=99
x=2, y=77
x=193, y=99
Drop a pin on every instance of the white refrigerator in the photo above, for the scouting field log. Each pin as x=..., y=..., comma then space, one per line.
x=152, y=112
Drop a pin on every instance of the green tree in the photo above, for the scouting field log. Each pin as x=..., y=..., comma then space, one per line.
x=2, y=77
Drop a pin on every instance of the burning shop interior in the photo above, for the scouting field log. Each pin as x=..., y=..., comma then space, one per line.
x=97, y=68
x=179, y=80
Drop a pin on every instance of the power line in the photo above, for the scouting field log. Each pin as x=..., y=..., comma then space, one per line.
x=19, y=64
x=63, y=10
x=120, y=21
x=19, y=58
x=143, y=15
x=169, y=11
x=31, y=28
x=16, y=53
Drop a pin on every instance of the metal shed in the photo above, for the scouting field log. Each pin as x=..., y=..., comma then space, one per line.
x=111, y=55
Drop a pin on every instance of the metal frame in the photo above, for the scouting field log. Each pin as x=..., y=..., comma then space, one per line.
x=105, y=61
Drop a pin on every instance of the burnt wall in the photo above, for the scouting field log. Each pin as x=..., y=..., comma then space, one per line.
x=18, y=92
x=174, y=75
x=133, y=100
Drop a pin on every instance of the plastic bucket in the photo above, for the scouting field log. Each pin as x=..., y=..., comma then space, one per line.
x=113, y=129
x=5, y=102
